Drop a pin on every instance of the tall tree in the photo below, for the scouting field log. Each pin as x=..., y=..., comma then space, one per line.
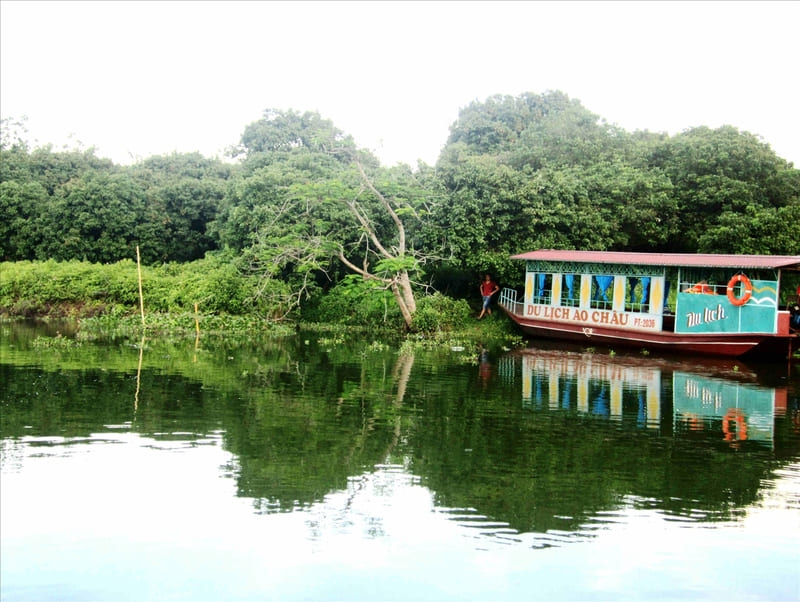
x=720, y=175
x=21, y=207
x=94, y=218
x=309, y=200
x=184, y=194
x=543, y=171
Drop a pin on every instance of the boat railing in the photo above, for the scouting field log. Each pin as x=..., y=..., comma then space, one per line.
x=508, y=300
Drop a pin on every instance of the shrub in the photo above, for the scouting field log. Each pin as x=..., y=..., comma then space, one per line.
x=36, y=288
x=356, y=301
x=77, y=287
x=440, y=313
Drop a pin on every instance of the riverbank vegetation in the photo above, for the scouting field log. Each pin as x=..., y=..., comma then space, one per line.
x=301, y=225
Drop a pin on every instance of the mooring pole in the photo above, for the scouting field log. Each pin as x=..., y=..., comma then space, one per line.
x=139, y=271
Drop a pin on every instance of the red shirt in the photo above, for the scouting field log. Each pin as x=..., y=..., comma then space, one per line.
x=487, y=287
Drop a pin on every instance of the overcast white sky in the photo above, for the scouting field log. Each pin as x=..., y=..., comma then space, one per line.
x=134, y=79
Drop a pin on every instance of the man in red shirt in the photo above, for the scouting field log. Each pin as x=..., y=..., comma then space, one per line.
x=487, y=288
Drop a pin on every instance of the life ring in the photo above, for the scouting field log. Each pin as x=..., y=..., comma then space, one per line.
x=740, y=432
x=748, y=290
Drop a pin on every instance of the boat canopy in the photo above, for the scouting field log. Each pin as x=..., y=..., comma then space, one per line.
x=691, y=260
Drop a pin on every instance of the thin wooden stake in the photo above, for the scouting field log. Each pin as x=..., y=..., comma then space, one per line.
x=138, y=375
x=197, y=330
x=139, y=270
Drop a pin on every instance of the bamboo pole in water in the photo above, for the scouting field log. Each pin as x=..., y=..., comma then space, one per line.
x=197, y=331
x=138, y=375
x=141, y=345
x=139, y=271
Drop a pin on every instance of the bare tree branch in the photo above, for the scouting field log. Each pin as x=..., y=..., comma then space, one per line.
x=401, y=231
x=367, y=275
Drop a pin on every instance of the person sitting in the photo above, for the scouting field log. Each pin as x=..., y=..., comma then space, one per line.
x=794, y=318
x=702, y=287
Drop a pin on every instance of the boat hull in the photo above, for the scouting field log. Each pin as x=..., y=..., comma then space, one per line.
x=714, y=344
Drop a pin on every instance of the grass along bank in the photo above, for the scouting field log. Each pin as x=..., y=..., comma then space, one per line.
x=103, y=299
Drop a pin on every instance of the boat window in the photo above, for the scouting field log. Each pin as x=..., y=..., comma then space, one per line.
x=702, y=282
x=638, y=293
x=569, y=296
x=669, y=305
x=542, y=288
x=601, y=291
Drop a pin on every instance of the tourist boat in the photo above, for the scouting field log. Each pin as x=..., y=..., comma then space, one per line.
x=719, y=305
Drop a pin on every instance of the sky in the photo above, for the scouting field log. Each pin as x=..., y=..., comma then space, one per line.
x=143, y=78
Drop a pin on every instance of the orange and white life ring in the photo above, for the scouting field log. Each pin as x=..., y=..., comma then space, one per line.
x=748, y=290
x=739, y=433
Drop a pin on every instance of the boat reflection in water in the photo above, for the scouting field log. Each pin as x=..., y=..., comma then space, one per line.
x=721, y=399
x=735, y=411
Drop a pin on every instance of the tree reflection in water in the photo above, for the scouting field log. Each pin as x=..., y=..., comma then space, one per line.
x=548, y=440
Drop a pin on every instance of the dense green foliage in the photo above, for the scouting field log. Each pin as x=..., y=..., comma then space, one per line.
x=580, y=183
x=302, y=209
x=72, y=205
x=43, y=288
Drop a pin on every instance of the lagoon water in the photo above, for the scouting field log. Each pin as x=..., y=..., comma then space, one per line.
x=306, y=468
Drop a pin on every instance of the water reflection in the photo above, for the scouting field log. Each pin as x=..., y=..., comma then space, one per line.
x=720, y=398
x=595, y=385
x=735, y=412
x=295, y=452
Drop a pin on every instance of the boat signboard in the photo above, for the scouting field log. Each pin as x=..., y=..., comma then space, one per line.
x=704, y=313
x=595, y=317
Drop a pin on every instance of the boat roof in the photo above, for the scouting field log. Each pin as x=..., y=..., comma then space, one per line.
x=699, y=260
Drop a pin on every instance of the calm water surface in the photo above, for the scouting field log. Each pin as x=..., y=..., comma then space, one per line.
x=314, y=469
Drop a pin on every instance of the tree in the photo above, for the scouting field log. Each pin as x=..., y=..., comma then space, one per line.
x=535, y=131
x=347, y=218
x=184, y=194
x=756, y=230
x=721, y=173
x=636, y=206
x=21, y=205
x=283, y=131
x=394, y=263
x=94, y=218
x=32, y=183
x=309, y=200
x=480, y=218
x=543, y=171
